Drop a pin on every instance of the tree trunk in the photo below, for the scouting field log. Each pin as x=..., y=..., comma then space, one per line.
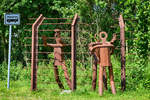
x=5, y=49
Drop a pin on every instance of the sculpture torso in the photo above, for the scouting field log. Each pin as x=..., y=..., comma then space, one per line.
x=58, y=53
x=58, y=56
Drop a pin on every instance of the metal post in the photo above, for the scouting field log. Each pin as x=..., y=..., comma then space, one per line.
x=73, y=51
x=9, y=55
x=34, y=58
x=122, y=42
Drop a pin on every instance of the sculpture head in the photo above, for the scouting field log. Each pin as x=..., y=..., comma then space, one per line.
x=57, y=36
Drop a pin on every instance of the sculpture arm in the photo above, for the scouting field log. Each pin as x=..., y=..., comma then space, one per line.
x=94, y=47
x=51, y=45
x=111, y=51
x=113, y=39
x=94, y=43
x=55, y=45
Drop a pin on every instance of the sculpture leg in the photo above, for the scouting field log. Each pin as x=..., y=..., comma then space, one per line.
x=112, y=80
x=94, y=77
x=66, y=75
x=105, y=78
x=57, y=77
x=100, y=80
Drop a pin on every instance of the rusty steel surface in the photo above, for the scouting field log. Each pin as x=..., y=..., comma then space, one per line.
x=105, y=50
x=94, y=69
x=58, y=58
x=122, y=42
x=48, y=30
x=50, y=18
x=35, y=49
x=56, y=73
x=96, y=56
x=73, y=50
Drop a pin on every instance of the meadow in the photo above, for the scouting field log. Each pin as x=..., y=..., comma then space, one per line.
x=47, y=89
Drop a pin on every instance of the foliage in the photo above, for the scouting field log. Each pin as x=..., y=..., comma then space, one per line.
x=137, y=11
x=15, y=71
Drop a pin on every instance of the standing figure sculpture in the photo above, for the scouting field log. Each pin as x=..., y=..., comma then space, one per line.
x=102, y=51
x=58, y=58
x=96, y=55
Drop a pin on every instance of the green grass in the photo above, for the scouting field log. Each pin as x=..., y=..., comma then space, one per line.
x=20, y=90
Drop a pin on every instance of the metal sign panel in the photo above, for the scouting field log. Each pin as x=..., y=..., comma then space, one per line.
x=12, y=19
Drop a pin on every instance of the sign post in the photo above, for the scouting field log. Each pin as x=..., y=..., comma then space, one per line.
x=10, y=19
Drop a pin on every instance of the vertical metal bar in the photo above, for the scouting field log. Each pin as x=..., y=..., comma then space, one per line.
x=100, y=84
x=112, y=83
x=73, y=51
x=122, y=42
x=34, y=58
x=9, y=55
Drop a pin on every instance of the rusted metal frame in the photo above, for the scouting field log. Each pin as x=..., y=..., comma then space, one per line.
x=49, y=52
x=34, y=57
x=53, y=30
x=122, y=43
x=49, y=30
x=50, y=18
x=50, y=23
x=43, y=45
x=56, y=23
x=73, y=50
x=48, y=37
x=39, y=59
x=57, y=18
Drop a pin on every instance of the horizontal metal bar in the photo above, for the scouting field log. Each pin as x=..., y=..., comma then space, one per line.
x=49, y=30
x=48, y=37
x=49, y=52
x=43, y=45
x=46, y=67
x=51, y=23
x=39, y=82
x=53, y=30
x=49, y=18
x=55, y=23
x=39, y=59
x=58, y=18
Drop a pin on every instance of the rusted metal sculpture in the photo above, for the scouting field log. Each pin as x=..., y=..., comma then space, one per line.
x=96, y=56
x=58, y=59
x=103, y=50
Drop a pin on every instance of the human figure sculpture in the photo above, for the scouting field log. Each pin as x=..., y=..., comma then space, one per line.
x=102, y=51
x=96, y=56
x=58, y=58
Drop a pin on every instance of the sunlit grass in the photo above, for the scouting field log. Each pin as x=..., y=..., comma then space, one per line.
x=20, y=90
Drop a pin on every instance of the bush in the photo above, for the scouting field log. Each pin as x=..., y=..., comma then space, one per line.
x=16, y=71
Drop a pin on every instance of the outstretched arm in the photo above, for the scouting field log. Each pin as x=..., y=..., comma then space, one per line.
x=51, y=45
x=94, y=43
x=55, y=45
x=113, y=39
